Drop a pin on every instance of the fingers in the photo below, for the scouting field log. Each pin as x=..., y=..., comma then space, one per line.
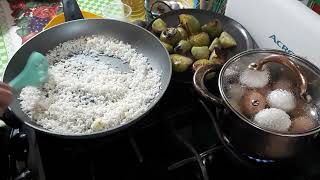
x=5, y=86
x=5, y=97
x=2, y=111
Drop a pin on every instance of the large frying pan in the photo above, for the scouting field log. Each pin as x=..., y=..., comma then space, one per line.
x=241, y=35
x=144, y=42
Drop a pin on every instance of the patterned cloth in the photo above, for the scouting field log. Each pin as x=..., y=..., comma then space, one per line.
x=3, y=54
x=19, y=21
x=22, y=19
x=95, y=6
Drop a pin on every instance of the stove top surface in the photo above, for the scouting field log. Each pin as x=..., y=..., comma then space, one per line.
x=177, y=140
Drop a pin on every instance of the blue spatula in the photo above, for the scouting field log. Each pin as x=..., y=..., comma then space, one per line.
x=34, y=73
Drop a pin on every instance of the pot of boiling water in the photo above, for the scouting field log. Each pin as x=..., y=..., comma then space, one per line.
x=271, y=101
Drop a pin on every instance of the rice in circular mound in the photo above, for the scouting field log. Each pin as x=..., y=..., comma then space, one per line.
x=84, y=95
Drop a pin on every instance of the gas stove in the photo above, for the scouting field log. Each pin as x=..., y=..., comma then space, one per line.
x=177, y=140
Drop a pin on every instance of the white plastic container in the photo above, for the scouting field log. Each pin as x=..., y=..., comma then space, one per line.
x=280, y=24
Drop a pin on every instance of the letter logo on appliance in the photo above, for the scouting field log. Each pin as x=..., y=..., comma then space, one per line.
x=280, y=44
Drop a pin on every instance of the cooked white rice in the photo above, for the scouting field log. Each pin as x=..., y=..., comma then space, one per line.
x=84, y=94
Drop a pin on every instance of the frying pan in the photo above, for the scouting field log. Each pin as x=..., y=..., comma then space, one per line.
x=143, y=41
x=235, y=29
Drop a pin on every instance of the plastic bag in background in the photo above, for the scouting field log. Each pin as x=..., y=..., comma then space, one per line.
x=286, y=25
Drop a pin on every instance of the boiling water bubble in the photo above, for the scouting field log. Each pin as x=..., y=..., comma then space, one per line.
x=272, y=118
x=230, y=72
x=254, y=78
x=281, y=99
x=284, y=84
x=235, y=91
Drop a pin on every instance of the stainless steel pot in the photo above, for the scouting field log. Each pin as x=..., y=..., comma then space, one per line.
x=241, y=131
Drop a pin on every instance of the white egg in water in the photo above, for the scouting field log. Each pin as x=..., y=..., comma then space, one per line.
x=272, y=118
x=284, y=84
x=281, y=99
x=235, y=91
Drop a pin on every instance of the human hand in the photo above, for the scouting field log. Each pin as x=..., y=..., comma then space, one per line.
x=5, y=97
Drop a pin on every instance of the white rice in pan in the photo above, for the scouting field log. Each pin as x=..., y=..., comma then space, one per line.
x=84, y=94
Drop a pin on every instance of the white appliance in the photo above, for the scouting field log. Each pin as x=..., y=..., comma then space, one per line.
x=280, y=24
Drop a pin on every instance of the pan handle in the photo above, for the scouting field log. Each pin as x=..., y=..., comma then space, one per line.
x=11, y=119
x=198, y=82
x=71, y=10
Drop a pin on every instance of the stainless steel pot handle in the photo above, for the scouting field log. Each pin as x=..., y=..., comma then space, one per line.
x=280, y=59
x=198, y=82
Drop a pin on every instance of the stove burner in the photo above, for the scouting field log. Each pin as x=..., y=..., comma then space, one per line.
x=258, y=160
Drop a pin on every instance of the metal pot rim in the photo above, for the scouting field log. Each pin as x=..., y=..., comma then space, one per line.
x=240, y=115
